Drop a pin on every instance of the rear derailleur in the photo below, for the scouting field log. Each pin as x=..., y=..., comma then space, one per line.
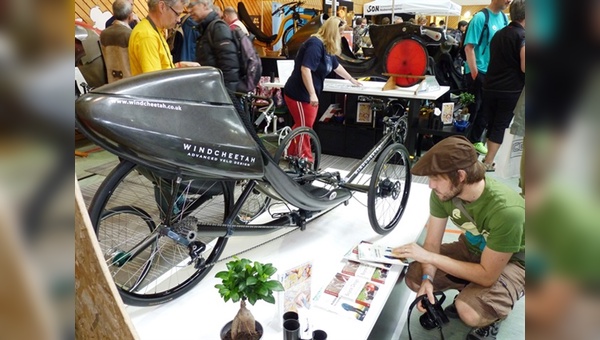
x=196, y=249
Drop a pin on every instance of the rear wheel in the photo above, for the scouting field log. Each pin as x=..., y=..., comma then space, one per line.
x=389, y=189
x=144, y=246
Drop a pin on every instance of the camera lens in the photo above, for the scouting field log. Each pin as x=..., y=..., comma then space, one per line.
x=427, y=322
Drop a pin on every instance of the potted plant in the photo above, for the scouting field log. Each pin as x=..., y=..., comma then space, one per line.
x=246, y=281
x=466, y=99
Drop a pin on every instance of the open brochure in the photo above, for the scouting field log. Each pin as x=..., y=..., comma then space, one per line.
x=365, y=271
x=378, y=253
x=347, y=296
x=353, y=255
x=341, y=306
x=360, y=290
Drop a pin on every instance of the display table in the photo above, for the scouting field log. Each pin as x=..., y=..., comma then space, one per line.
x=374, y=88
x=201, y=313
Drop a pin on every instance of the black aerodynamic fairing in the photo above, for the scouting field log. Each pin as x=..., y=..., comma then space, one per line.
x=179, y=118
x=184, y=122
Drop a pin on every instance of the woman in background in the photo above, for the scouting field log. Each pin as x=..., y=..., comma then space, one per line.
x=314, y=61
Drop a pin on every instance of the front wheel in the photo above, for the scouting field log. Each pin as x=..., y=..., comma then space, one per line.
x=143, y=243
x=389, y=189
x=299, y=152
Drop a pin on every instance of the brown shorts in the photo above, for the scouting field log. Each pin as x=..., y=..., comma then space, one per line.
x=491, y=303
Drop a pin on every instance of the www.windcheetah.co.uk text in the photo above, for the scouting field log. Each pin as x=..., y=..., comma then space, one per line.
x=149, y=104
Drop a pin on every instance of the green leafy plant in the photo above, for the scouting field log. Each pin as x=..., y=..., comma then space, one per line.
x=244, y=280
x=466, y=99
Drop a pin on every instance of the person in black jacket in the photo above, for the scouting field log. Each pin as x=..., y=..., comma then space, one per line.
x=216, y=46
x=505, y=79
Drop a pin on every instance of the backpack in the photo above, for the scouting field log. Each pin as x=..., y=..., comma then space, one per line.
x=250, y=63
x=485, y=30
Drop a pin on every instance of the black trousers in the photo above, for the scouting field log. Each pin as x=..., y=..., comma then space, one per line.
x=478, y=119
x=499, y=108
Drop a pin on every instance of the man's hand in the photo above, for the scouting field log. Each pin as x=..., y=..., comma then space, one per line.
x=187, y=64
x=413, y=251
x=426, y=288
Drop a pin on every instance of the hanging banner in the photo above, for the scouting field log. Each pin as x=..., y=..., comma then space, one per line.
x=431, y=7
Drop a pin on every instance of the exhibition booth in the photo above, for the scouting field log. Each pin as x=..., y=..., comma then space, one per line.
x=201, y=186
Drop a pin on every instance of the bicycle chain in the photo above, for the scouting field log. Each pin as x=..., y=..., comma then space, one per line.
x=251, y=248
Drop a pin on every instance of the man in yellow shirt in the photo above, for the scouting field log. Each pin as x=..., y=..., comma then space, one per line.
x=148, y=48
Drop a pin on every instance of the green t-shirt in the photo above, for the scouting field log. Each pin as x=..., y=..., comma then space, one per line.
x=499, y=216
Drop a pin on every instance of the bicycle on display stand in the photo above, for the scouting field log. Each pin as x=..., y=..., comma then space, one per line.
x=289, y=12
x=192, y=169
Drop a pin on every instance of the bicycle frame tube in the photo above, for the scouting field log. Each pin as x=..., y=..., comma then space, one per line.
x=374, y=152
x=287, y=18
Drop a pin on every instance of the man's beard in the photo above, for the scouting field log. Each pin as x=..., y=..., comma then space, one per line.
x=455, y=191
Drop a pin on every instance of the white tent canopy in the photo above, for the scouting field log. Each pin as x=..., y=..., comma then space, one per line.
x=425, y=7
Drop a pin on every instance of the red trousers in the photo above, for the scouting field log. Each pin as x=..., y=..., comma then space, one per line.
x=304, y=114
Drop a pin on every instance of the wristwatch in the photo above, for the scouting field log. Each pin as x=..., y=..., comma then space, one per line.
x=427, y=277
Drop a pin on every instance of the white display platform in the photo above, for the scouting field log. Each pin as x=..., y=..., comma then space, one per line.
x=201, y=313
x=373, y=88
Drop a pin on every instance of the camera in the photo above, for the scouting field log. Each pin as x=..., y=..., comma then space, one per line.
x=434, y=317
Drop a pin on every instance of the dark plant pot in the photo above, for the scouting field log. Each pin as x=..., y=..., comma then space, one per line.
x=226, y=330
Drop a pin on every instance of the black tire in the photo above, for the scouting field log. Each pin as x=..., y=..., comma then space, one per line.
x=256, y=204
x=389, y=189
x=291, y=160
x=127, y=209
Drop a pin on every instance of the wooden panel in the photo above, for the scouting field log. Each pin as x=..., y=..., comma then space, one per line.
x=254, y=7
x=83, y=8
x=99, y=311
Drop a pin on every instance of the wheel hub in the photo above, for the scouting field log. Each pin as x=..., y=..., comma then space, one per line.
x=396, y=190
x=388, y=188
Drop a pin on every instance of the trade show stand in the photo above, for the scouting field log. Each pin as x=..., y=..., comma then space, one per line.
x=355, y=137
x=201, y=313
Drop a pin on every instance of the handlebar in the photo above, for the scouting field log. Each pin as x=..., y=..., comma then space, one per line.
x=253, y=97
x=390, y=120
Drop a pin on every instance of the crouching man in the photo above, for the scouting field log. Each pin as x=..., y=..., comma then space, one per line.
x=486, y=264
